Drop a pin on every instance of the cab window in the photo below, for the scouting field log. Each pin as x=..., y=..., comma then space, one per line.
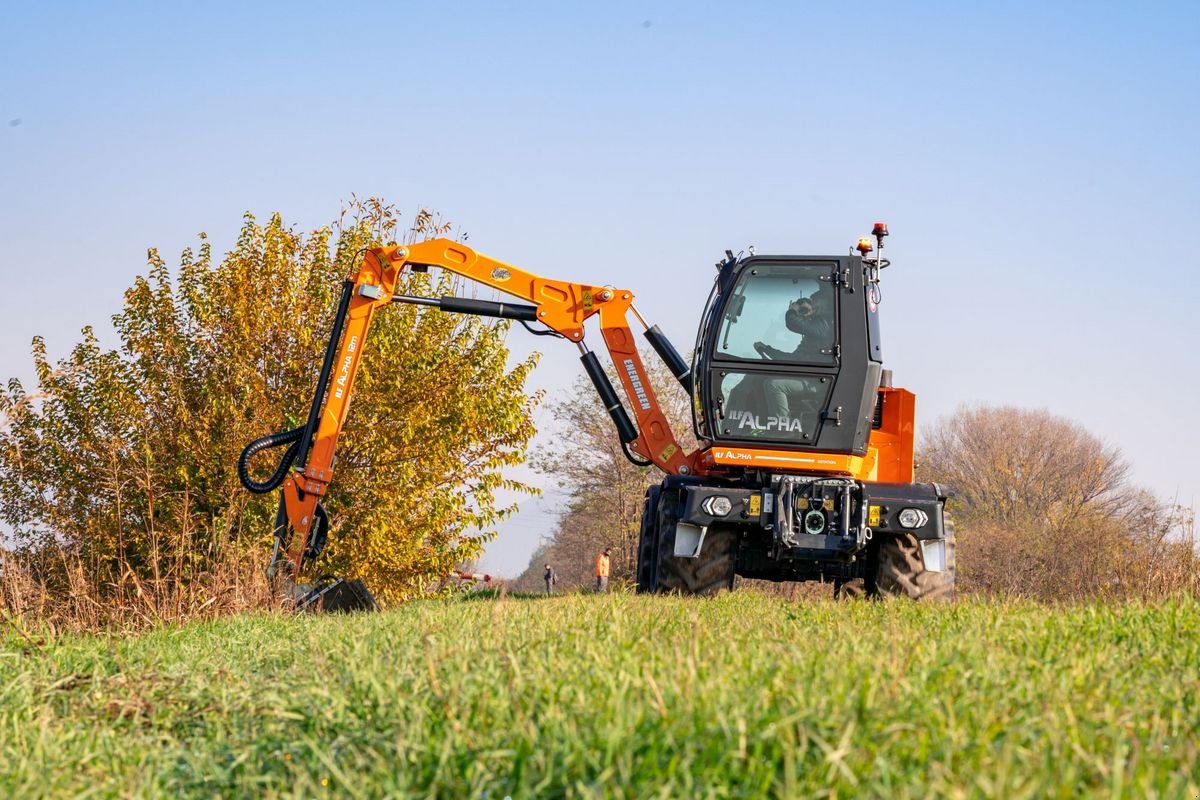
x=770, y=407
x=780, y=312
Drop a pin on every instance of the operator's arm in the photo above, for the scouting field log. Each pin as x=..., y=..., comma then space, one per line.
x=770, y=352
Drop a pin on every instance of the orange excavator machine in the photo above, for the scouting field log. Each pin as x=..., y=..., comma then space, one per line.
x=805, y=464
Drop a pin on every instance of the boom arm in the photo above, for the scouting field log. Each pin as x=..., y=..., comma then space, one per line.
x=560, y=305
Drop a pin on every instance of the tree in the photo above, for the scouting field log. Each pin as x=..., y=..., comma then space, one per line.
x=126, y=457
x=1019, y=465
x=604, y=489
x=1046, y=509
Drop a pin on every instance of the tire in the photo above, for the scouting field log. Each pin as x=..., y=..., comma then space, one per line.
x=901, y=571
x=852, y=588
x=709, y=573
x=647, y=566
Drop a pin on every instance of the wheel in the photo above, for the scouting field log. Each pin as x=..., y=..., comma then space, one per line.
x=854, y=587
x=709, y=573
x=647, y=567
x=860, y=587
x=901, y=571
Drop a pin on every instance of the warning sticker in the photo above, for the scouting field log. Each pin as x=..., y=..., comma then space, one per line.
x=755, y=505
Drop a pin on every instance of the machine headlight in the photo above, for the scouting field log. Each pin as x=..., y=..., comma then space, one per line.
x=717, y=505
x=912, y=518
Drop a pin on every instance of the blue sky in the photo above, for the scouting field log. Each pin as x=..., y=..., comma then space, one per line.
x=1037, y=164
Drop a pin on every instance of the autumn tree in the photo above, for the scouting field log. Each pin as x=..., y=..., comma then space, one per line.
x=605, y=491
x=1046, y=509
x=125, y=458
x=1013, y=463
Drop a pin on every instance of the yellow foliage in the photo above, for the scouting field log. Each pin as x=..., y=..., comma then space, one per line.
x=122, y=449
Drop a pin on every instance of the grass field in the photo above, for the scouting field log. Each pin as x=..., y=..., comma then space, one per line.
x=618, y=696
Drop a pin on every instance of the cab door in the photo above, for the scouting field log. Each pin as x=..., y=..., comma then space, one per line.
x=787, y=352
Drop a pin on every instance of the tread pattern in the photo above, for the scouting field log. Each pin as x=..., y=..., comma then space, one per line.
x=647, y=566
x=902, y=571
x=710, y=573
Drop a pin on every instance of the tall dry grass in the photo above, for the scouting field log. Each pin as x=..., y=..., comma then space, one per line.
x=55, y=589
x=1103, y=560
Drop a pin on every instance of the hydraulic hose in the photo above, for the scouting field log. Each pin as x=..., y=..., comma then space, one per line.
x=297, y=439
x=291, y=438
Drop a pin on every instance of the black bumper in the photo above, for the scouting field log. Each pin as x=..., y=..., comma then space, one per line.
x=876, y=506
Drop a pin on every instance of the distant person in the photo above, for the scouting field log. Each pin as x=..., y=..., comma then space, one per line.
x=603, y=569
x=551, y=578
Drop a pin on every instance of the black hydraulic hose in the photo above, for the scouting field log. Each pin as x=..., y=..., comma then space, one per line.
x=636, y=460
x=297, y=439
x=335, y=336
x=291, y=438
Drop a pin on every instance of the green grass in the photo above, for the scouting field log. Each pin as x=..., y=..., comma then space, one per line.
x=619, y=696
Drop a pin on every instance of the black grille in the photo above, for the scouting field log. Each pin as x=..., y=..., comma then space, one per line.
x=877, y=417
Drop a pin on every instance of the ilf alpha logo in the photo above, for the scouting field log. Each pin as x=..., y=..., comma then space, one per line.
x=343, y=377
x=755, y=423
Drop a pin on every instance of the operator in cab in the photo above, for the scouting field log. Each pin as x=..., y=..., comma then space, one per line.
x=812, y=318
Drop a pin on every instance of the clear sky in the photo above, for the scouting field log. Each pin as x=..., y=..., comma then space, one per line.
x=1038, y=164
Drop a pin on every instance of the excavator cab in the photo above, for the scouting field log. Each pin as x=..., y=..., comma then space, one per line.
x=806, y=468
x=787, y=355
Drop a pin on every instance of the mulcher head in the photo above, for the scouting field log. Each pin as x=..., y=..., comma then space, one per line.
x=334, y=596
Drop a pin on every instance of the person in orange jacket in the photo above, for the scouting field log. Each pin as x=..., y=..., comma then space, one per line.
x=603, y=569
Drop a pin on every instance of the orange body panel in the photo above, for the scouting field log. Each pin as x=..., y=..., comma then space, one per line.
x=893, y=442
x=723, y=457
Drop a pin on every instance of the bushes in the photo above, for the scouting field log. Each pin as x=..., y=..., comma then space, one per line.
x=1045, y=509
x=117, y=474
